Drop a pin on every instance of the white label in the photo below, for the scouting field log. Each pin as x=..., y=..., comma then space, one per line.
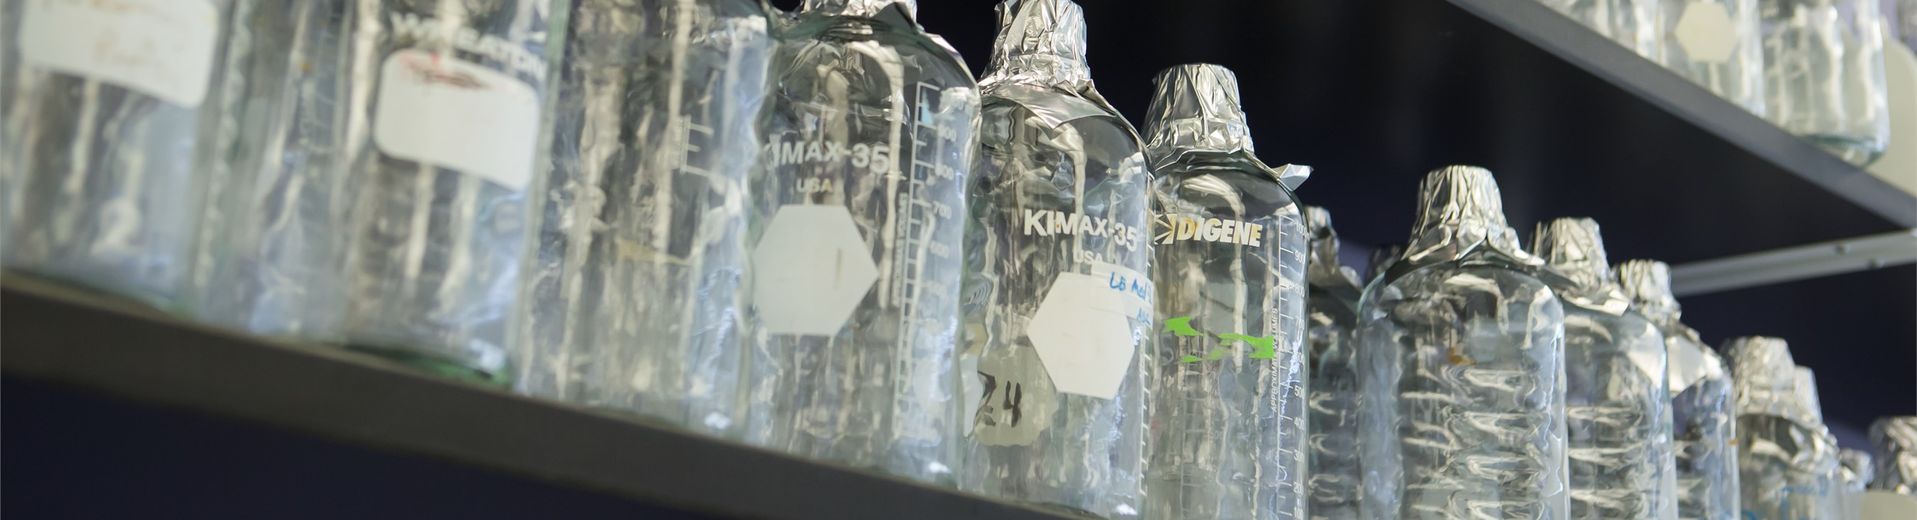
x=810, y=270
x=162, y=48
x=1705, y=33
x=443, y=111
x=1088, y=327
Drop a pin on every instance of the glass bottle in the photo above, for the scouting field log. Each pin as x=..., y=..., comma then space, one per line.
x=101, y=106
x=1716, y=44
x=1785, y=460
x=1227, y=385
x=1617, y=402
x=1824, y=74
x=1896, y=441
x=1335, y=477
x=634, y=288
x=857, y=216
x=1462, y=367
x=1832, y=503
x=271, y=252
x=1704, y=431
x=441, y=108
x=1056, y=301
x=1631, y=23
x=1380, y=261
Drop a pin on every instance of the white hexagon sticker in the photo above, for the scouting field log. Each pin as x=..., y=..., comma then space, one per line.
x=810, y=270
x=1088, y=327
x=1704, y=31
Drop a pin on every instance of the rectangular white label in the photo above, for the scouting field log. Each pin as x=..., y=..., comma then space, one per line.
x=443, y=111
x=162, y=48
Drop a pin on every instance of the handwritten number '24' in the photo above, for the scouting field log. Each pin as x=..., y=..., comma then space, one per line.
x=1261, y=347
x=1013, y=396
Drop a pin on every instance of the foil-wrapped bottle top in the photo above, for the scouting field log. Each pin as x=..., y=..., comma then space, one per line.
x=1648, y=284
x=1574, y=248
x=1040, y=42
x=1323, y=268
x=1195, y=107
x=1460, y=212
x=865, y=8
x=1896, y=441
x=1857, y=469
x=1804, y=382
x=1766, y=379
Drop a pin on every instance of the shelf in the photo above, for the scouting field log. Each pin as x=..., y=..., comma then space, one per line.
x=1374, y=94
x=118, y=361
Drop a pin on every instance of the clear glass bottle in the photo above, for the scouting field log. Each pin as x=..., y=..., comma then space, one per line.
x=271, y=252
x=1461, y=361
x=1824, y=74
x=1896, y=441
x=1380, y=261
x=1832, y=503
x=1336, y=478
x=1716, y=44
x=1054, y=343
x=1227, y=385
x=441, y=109
x=1786, y=461
x=1617, y=401
x=634, y=288
x=1631, y=23
x=857, y=218
x=101, y=106
x=1704, y=430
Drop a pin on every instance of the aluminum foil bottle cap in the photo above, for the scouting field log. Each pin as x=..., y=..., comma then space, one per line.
x=1323, y=268
x=865, y=8
x=1040, y=42
x=1896, y=441
x=1765, y=378
x=1648, y=285
x=1856, y=468
x=1574, y=249
x=1195, y=108
x=1805, y=384
x=1460, y=212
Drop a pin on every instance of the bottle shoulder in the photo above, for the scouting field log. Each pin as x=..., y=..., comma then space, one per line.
x=831, y=46
x=1462, y=281
x=1239, y=193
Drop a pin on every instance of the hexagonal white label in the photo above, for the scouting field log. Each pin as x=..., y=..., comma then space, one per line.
x=810, y=270
x=1089, y=325
x=1705, y=32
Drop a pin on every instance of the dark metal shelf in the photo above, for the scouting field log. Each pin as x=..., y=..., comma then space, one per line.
x=54, y=340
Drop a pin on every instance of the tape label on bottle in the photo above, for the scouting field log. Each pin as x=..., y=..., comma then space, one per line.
x=161, y=48
x=437, y=109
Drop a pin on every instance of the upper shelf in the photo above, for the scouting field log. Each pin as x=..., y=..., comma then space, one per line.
x=1374, y=94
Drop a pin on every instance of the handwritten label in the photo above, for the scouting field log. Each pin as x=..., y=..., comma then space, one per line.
x=161, y=48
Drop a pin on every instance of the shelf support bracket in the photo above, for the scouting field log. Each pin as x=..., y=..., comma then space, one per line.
x=1795, y=263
